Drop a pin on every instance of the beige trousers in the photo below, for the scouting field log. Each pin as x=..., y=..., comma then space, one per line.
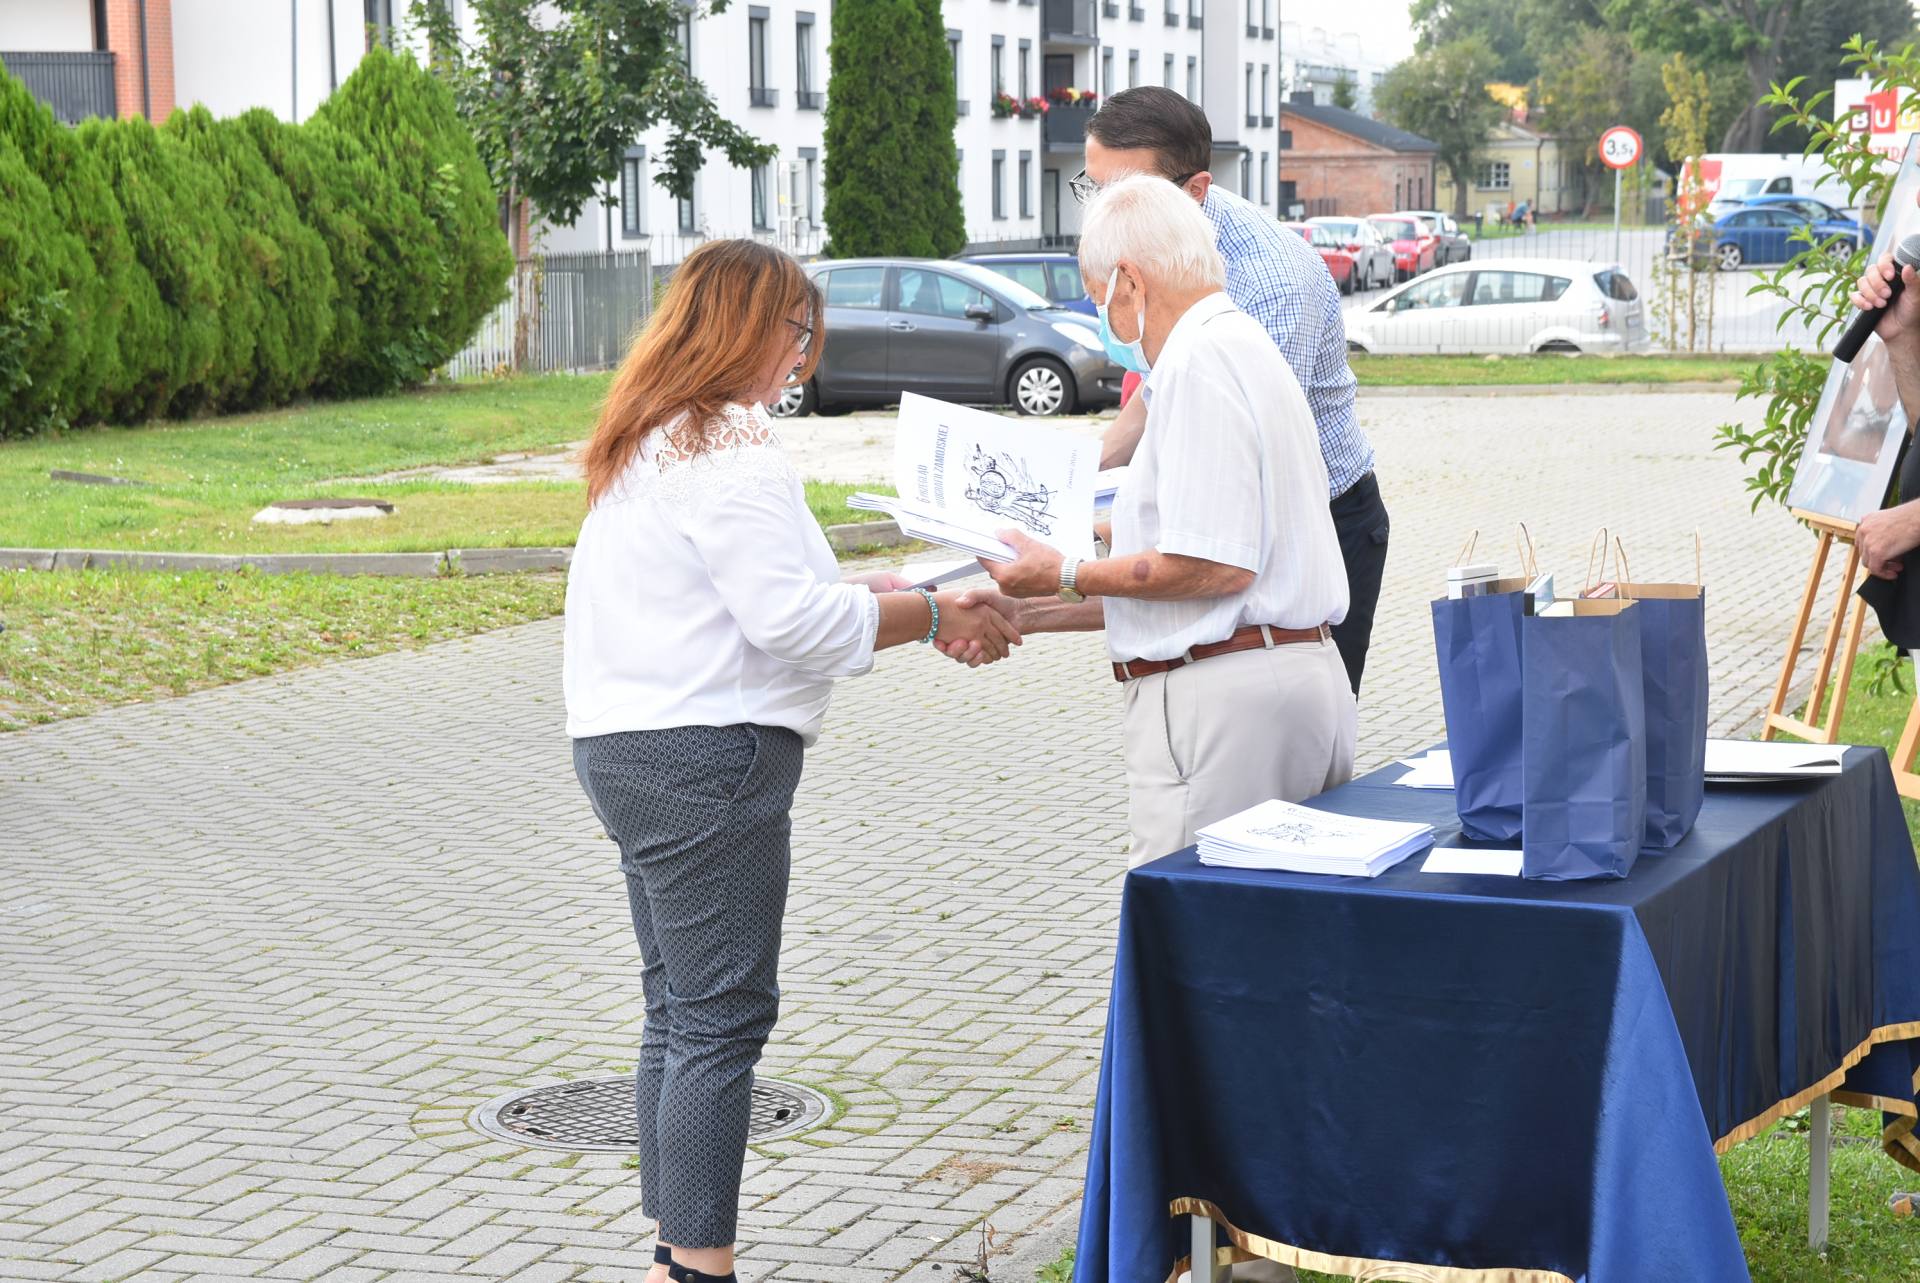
x=1215, y=737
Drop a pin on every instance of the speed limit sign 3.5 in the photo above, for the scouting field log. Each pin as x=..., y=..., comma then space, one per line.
x=1620, y=148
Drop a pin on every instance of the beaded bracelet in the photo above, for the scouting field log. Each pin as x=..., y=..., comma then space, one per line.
x=933, y=608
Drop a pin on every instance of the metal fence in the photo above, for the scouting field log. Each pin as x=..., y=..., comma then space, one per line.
x=75, y=85
x=580, y=312
x=1546, y=289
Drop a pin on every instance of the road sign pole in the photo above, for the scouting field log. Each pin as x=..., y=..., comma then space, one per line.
x=1616, y=216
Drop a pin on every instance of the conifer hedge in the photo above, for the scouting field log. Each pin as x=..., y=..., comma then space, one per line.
x=228, y=264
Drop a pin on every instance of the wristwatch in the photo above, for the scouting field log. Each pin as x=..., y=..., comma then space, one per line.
x=1069, y=573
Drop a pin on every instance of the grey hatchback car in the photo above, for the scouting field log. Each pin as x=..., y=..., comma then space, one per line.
x=950, y=330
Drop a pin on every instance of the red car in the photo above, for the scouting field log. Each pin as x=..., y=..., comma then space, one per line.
x=1333, y=253
x=1415, y=247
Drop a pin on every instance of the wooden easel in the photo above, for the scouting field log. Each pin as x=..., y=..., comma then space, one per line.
x=1836, y=664
x=1904, y=777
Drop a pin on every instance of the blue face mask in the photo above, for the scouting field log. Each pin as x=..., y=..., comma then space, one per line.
x=1128, y=356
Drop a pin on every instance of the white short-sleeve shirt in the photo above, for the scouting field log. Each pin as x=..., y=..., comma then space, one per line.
x=1229, y=469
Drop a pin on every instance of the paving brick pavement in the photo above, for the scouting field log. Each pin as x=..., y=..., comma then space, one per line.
x=266, y=947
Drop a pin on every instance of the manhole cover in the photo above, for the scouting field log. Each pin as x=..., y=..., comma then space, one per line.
x=597, y=1114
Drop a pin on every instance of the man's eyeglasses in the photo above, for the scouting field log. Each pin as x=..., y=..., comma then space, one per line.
x=805, y=332
x=1085, y=189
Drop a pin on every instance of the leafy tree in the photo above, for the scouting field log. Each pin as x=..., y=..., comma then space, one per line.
x=1496, y=22
x=1441, y=94
x=892, y=178
x=1587, y=88
x=1345, y=95
x=43, y=267
x=556, y=90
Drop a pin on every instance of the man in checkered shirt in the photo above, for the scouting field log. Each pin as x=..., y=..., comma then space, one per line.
x=1277, y=278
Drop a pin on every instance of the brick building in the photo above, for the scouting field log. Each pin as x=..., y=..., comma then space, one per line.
x=1341, y=162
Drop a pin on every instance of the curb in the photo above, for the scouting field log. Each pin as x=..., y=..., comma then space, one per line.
x=1542, y=389
x=420, y=565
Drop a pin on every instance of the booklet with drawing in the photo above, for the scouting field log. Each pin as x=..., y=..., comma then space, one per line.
x=964, y=474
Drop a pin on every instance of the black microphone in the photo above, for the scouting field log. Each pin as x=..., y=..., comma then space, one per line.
x=1905, y=254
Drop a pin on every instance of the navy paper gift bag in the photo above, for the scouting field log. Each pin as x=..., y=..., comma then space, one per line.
x=1673, y=656
x=1478, y=643
x=1583, y=742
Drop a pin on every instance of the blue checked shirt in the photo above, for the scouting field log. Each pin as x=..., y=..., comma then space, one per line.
x=1278, y=279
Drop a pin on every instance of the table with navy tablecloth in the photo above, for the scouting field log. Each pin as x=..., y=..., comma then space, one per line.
x=1499, y=1080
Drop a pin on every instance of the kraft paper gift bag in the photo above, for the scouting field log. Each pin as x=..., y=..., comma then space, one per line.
x=1583, y=741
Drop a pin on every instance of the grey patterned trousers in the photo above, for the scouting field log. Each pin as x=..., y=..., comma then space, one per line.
x=700, y=814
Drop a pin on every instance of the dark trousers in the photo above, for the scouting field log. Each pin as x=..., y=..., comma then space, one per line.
x=1360, y=520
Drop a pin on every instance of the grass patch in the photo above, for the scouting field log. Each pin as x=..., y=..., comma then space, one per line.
x=77, y=642
x=1059, y=1271
x=828, y=500
x=1500, y=231
x=1471, y=371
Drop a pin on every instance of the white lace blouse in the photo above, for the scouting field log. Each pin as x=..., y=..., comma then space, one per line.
x=703, y=593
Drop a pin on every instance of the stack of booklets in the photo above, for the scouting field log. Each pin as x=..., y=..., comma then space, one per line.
x=1298, y=839
x=1754, y=761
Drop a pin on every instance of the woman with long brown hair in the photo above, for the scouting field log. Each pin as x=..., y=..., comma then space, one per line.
x=706, y=623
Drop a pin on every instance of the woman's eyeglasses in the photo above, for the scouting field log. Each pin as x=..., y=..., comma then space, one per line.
x=805, y=333
x=1085, y=189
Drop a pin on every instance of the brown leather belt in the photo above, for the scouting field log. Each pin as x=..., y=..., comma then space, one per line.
x=1252, y=637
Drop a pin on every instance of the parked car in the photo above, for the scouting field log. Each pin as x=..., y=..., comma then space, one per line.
x=1515, y=305
x=1414, y=247
x=1756, y=234
x=1372, y=256
x=1813, y=208
x=1336, y=256
x=1454, y=245
x=953, y=330
x=1051, y=275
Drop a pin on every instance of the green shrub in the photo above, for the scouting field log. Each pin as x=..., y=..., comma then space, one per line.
x=406, y=119
x=279, y=273
x=45, y=276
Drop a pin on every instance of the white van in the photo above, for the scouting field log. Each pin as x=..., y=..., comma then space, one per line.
x=1733, y=177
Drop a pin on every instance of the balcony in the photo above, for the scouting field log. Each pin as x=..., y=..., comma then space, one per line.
x=761, y=96
x=1137, y=13
x=75, y=85
x=809, y=99
x=1266, y=121
x=961, y=106
x=1253, y=30
x=1173, y=17
x=1253, y=121
x=1065, y=128
x=1266, y=33
x=1195, y=22
x=1070, y=22
x=1110, y=9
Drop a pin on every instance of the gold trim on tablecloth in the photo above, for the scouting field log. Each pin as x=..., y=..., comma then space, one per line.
x=1901, y=1153
x=1251, y=1246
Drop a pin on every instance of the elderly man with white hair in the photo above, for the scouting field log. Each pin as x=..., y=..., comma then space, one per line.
x=1226, y=577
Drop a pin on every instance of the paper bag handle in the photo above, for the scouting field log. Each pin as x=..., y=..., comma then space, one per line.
x=1620, y=562
x=1599, y=545
x=1529, y=562
x=1466, y=549
x=1699, y=573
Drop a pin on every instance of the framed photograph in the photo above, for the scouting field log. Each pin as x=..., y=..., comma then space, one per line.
x=1859, y=425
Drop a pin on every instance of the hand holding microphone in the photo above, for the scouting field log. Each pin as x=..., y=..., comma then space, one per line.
x=1880, y=292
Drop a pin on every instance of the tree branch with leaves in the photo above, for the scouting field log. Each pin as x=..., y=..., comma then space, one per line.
x=1441, y=94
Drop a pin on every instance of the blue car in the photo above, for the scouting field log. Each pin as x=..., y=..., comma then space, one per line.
x=1054, y=276
x=1764, y=232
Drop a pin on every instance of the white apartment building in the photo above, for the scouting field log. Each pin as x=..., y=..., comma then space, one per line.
x=1319, y=58
x=766, y=66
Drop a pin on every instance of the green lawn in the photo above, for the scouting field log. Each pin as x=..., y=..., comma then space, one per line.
x=77, y=642
x=1495, y=232
x=1471, y=371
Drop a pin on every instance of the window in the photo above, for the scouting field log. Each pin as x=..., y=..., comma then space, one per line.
x=1253, y=28
x=1193, y=78
x=1026, y=62
x=1266, y=17
x=633, y=193
x=805, y=95
x=862, y=287
x=379, y=23
x=687, y=220
x=809, y=200
x=1196, y=10
x=1251, y=118
x=1616, y=285
x=1246, y=174
x=928, y=293
x=1066, y=283
x=1264, y=157
x=1166, y=72
x=1173, y=13
x=685, y=33
x=1133, y=68
x=1031, y=275
x=953, y=54
x=1439, y=291
x=1106, y=73
x=758, y=178
x=1266, y=94
x=1026, y=184
x=999, y=184
x=1493, y=175
x=999, y=65
x=757, y=92
x=1515, y=287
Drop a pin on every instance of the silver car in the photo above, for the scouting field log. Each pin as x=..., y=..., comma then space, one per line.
x=1455, y=247
x=1372, y=256
x=1512, y=305
x=950, y=330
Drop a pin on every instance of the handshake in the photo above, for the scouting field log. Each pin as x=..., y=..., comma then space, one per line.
x=983, y=625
